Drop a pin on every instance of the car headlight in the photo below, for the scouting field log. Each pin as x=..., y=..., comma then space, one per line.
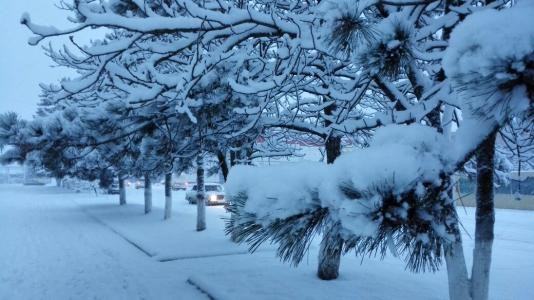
x=213, y=198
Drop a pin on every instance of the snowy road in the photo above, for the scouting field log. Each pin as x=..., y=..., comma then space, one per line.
x=51, y=249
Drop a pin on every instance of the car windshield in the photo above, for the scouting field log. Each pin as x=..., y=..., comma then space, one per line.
x=209, y=188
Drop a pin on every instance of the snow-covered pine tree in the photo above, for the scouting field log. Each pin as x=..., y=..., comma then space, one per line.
x=496, y=83
x=405, y=212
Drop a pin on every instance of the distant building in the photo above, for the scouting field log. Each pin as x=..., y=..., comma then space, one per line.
x=22, y=174
x=35, y=176
x=521, y=176
x=518, y=183
x=13, y=173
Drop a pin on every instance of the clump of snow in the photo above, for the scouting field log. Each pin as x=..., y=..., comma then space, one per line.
x=400, y=155
x=25, y=19
x=487, y=55
x=398, y=160
x=490, y=35
x=277, y=191
x=346, y=27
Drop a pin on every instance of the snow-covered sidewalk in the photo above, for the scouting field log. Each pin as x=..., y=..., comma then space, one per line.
x=172, y=239
x=56, y=244
x=51, y=249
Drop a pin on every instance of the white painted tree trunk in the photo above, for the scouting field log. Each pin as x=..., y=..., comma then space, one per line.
x=332, y=242
x=476, y=288
x=148, y=194
x=459, y=284
x=122, y=190
x=201, y=199
x=168, y=196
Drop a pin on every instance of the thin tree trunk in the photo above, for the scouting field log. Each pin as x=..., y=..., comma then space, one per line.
x=333, y=149
x=223, y=164
x=485, y=220
x=148, y=194
x=122, y=190
x=168, y=196
x=456, y=268
x=235, y=158
x=332, y=243
x=201, y=199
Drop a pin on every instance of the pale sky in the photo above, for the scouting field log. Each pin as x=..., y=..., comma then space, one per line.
x=23, y=67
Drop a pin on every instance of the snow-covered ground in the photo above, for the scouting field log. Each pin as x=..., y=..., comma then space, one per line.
x=56, y=244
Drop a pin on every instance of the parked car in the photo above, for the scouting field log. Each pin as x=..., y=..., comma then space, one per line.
x=35, y=181
x=214, y=194
x=114, y=189
x=139, y=184
x=180, y=185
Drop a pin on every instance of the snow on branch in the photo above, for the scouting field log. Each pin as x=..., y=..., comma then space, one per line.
x=41, y=32
x=369, y=192
x=490, y=61
x=188, y=16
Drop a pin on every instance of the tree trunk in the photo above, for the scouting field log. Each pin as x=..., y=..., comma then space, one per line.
x=333, y=149
x=456, y=268
x=485, y=220
x=168, y=196
x=201, y=199
x=148, y=194
x=122, y=190
x=332, y=243
x=330, y=253
x=234, y=159
x=223, y=164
